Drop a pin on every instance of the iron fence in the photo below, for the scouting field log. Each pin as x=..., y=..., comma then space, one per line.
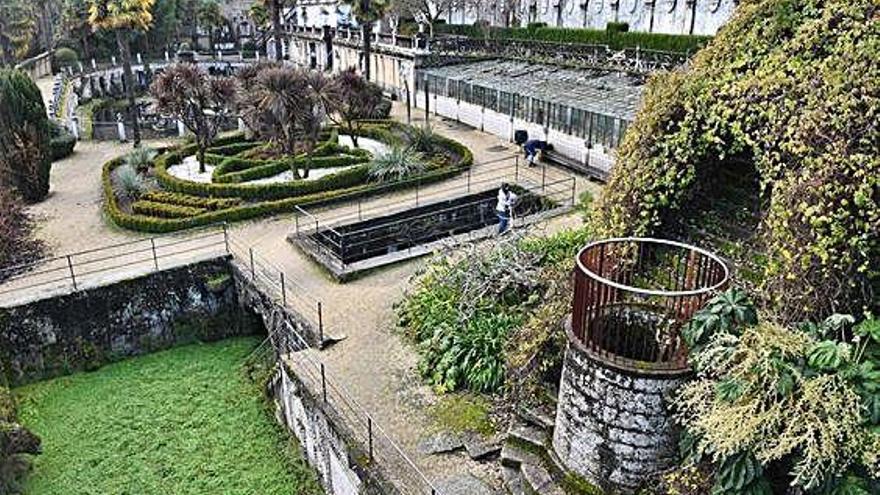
x=331, y=232
x=89, y=268
x=93, y=267
x=632, y=295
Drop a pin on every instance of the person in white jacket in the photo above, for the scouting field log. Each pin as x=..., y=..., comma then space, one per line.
x=504, y=207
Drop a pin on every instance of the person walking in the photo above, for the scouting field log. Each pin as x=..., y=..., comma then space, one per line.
x=504, y=207
x=531, y=148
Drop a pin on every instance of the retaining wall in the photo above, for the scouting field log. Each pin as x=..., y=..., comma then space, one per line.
x=322, y=442
x=87, y=328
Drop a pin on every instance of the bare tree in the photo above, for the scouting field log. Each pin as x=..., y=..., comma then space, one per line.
x=354, y=99
x=200, y=101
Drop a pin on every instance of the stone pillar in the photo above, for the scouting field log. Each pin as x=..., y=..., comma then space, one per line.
x=613, y=425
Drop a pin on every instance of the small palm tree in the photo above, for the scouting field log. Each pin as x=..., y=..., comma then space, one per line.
x=397, y=164
x=122, y=17
x=367, y=12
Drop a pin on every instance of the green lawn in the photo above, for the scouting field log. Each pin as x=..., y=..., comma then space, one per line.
x=182, y=421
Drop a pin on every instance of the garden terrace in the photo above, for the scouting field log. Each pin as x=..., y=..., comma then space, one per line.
x=632, y=295
x=239, y=182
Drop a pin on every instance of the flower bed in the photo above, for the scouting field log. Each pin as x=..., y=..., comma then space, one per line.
x=181, y=203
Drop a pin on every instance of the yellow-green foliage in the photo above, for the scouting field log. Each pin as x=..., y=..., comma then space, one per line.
x=779, y=409
x=792, y=86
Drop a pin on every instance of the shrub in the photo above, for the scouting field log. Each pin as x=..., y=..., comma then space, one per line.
x=173, y=198
x=422, y=138
x=617, y=27
x=396, y=164
x=129, y=184
x=164, y=210
x=65, y=57
x=774, y=91
x=461, y=311
x=62, y=141
x=25, y=156
x=17, y=242
x=770, y=400
x=613, y=38
x=140, y=159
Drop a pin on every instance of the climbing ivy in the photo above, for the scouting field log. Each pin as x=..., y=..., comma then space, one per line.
x=792, y=87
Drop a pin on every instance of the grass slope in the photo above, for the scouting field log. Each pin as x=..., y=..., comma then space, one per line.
x=182, y=421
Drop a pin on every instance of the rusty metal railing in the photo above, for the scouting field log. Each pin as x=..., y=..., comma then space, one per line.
x=632, y=295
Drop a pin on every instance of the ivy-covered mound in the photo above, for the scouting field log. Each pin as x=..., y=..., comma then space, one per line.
x=141, y=194
x=788, y=90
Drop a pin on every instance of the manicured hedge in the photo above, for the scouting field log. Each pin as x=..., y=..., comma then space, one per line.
x=613, y=38
x=164, y=210
x=173, y=198
x=340, y=180
x=266, y=199
x=62, y=142
x=277, y=167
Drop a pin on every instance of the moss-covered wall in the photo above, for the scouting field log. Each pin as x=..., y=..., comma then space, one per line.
x=86, y=329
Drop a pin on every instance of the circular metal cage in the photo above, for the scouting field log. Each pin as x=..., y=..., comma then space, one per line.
x=632, y=295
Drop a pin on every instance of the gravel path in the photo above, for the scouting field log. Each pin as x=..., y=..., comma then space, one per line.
x=373, y=362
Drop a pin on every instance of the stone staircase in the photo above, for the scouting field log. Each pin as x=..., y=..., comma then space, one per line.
x=528, y=464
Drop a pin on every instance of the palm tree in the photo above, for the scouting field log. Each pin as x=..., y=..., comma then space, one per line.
x=368, y=12
x=123, y=16
x=274, y=8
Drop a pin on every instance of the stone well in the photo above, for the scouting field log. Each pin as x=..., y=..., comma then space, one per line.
x=625, y=355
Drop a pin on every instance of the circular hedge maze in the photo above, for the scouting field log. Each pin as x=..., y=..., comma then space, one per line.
x=243, y=178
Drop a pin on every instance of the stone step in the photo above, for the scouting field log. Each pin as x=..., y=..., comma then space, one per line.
x=513, y=480
x=538, y=481
x=528, y=434
x=513, y=457
x=536, y=417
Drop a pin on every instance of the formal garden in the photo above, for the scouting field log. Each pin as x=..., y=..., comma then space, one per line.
x=309, y=139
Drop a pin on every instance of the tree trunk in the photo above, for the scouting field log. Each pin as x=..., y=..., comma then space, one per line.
x=128, y=79
x=201, y=157
x=276, y=29
x=366, y=35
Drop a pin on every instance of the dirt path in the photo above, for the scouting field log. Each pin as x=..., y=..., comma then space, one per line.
x=373, y=362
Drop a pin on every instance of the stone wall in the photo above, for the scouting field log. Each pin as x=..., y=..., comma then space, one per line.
x=85, y=329
x=279, y=320
x=613, y=428
x=322, y=442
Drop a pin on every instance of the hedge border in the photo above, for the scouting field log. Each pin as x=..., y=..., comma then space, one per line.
x=143, y=223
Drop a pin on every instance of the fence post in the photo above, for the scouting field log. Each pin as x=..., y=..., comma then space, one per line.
x=320, y=325
x=155, y=258
x=359, y=209
x=516, y=169
x=253, y=269
x=469, y=180
x=70, y=267
x=572, y=191
x=543, y=175
x=323, y=383
x=417, y=192
x=296, y=222
x=226, y=237
x=283, y=291
x=370, y=435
